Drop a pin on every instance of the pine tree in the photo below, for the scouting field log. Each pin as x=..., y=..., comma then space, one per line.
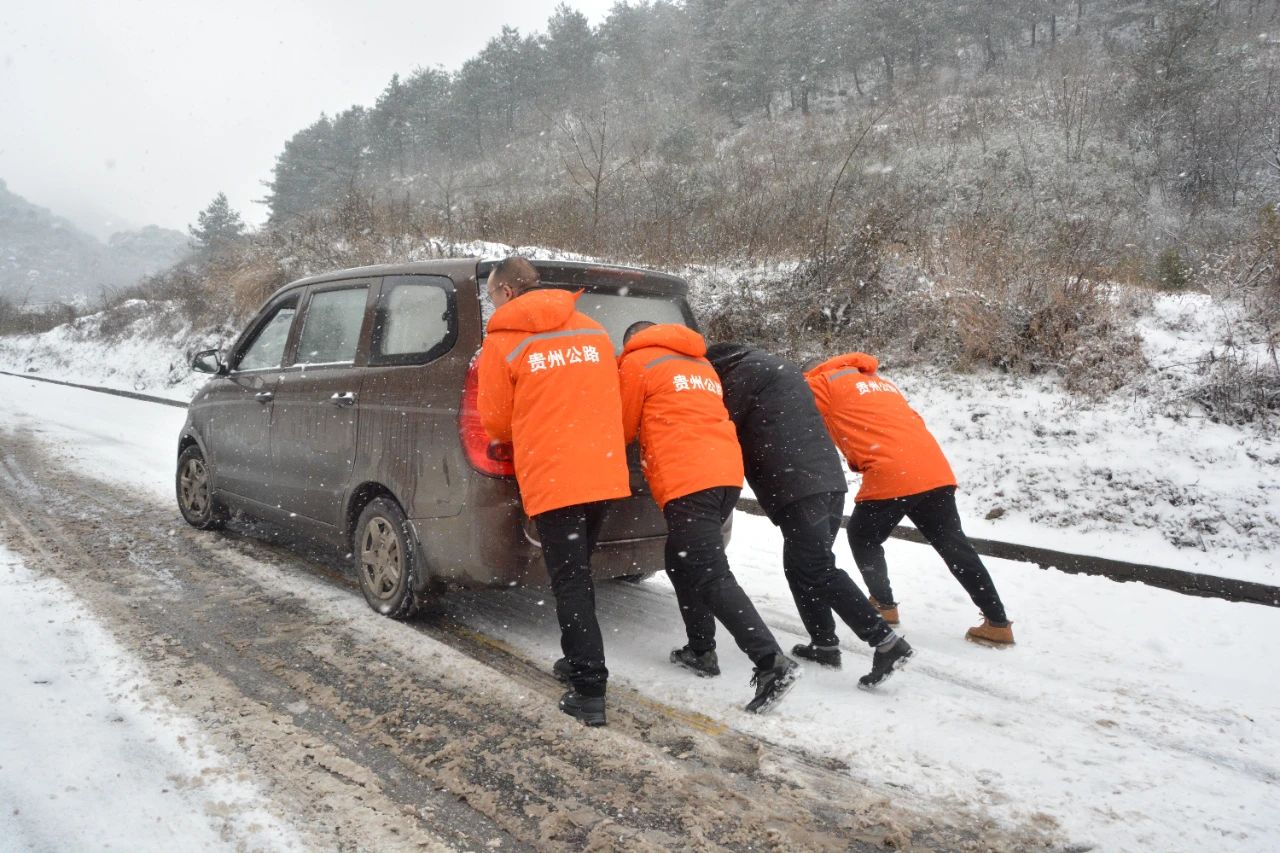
x=216, y=225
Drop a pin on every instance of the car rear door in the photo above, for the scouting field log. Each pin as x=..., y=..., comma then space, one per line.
x=314, y=421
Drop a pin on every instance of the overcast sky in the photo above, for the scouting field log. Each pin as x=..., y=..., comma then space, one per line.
x=131, y=112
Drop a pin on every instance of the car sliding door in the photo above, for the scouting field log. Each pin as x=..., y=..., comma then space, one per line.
x=409, y=401
x=314, y=422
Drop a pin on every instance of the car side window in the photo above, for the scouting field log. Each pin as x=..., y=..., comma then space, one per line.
x=331, y=326
x=415, y=320
x=267, y=348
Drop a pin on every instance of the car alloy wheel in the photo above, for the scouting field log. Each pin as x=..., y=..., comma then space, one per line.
x=193, y=487
x=197, y=501
x=384, y=556
x=381, y=560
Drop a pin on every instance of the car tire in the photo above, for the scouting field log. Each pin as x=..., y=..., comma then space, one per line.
x=195, y=493
x=385, y=556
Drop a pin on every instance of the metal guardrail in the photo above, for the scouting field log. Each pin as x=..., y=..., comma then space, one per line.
x=1176, y=580
x=133, y=395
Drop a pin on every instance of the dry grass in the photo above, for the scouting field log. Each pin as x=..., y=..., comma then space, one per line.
x=1238, y=390
x=17, y=319
x=973, y=300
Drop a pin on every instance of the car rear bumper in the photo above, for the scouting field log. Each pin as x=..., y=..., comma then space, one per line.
x=492, y=543
x=506, y=556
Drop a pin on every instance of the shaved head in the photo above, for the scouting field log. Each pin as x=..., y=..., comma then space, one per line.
x=635, y=328
x=515, y=272
x=509, y=278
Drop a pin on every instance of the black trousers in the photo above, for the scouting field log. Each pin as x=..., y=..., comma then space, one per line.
x=809, y=527
x=699, y=570
x=568, y=537
x=935, y=516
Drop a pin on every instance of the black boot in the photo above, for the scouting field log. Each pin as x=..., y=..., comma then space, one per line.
x=772, y=683
x=562, y=670
x=705, y=664
x=828, y=656
x=589, y=710
x=885, y=661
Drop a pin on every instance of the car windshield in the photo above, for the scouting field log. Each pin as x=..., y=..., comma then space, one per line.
x=617, y=310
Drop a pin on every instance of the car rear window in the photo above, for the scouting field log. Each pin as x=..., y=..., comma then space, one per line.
x=414, y=321
x=617, y=310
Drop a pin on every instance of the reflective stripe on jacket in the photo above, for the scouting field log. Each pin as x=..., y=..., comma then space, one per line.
x=549, y=385
x=881, y=436
x=671, y=399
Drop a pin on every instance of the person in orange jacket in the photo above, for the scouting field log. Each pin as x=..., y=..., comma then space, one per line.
x=904, y=473
x=671, y=400
x=548, y=384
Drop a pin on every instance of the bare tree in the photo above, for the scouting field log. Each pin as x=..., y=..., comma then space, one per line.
x=1076, y=100
x=451, y=186
x=589, y=153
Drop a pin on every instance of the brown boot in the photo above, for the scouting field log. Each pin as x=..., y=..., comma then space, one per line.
x=888, y=614
x=989, y=634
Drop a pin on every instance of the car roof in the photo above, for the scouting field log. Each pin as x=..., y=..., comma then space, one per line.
x=552, y=272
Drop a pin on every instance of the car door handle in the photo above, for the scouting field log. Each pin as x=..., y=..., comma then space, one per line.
x=344, y=398
x=264, y=396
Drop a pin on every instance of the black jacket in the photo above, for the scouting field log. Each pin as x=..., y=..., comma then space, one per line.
x=786, y=448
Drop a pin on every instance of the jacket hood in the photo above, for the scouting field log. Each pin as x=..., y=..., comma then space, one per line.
x=726, y=355
x=670, y=336
x=860, y=360
x=535, y=311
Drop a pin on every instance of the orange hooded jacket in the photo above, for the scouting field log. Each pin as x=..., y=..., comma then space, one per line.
x=879, y=434
x=671, y=398
x=548, y=383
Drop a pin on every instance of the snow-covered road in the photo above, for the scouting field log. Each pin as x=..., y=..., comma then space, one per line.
x=87, y=760
x=1127, y=717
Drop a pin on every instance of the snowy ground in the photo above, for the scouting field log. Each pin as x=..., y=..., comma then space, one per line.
x=1128, y=717
x=1139, y=476
x=89, y=759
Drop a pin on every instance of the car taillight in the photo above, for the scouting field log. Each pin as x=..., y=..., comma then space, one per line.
x=488, y=457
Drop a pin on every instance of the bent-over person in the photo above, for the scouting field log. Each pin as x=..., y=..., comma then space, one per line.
x=671, y=400
x=904, y=474
x=795, y=472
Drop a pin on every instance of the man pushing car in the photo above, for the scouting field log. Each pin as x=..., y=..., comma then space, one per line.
x=904, y=473
x=671, y=400
x=549, y=385
x=795, y=473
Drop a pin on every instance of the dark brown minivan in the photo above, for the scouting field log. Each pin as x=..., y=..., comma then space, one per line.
x=346, y=412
